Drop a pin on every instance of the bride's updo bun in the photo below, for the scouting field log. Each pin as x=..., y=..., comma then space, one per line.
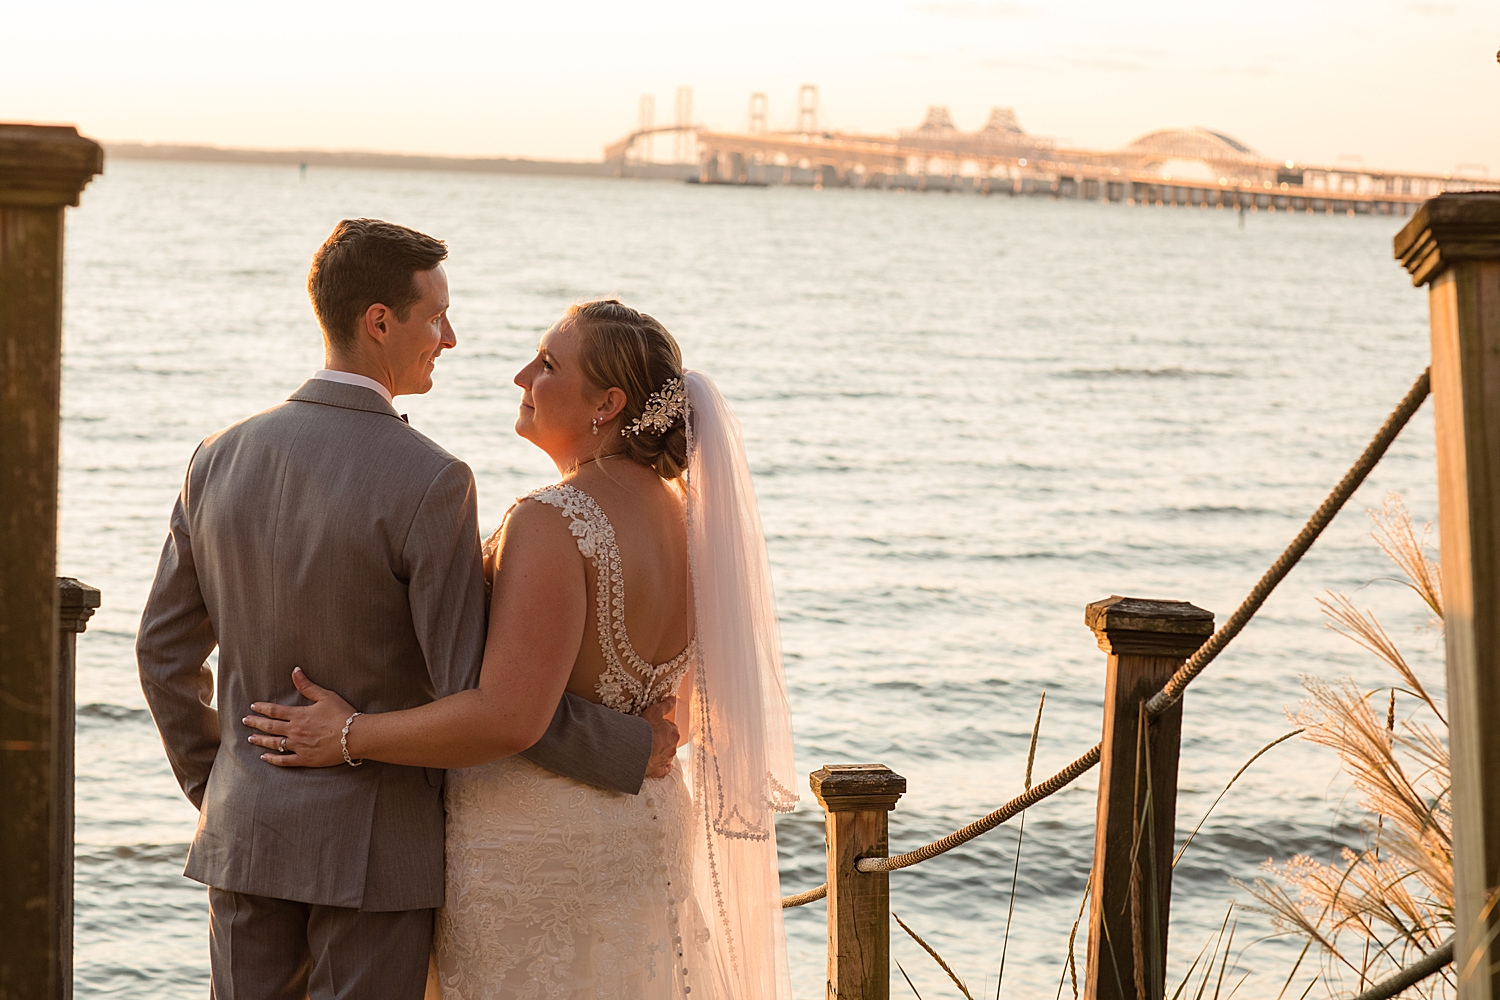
x=629, y=349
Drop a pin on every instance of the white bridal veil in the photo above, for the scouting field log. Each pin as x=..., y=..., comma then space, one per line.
x=740, y=765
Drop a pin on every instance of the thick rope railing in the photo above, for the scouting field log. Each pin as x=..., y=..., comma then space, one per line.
x=1172, y=691
x=1374, y=451
x=1016, y=806
x=810, y=896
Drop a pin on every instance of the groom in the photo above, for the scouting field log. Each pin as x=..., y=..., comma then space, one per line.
x=326, y=533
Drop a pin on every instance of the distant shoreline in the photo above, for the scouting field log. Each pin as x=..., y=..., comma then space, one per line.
x=388, y=161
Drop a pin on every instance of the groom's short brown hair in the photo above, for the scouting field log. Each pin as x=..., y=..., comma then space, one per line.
x=365, y=261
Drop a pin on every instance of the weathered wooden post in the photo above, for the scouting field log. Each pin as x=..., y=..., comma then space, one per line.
x=1452, y=245
x=75, y=606
x=42, y=169
x=1136, y=826
x=857, y=800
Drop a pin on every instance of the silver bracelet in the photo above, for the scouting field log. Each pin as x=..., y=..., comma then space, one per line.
x=344, y=741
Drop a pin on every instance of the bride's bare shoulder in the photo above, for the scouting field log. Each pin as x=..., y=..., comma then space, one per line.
x=532, y=520
x=532, y=538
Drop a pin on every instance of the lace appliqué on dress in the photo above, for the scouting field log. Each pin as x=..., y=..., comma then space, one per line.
x=561, y=891
x=628, y=684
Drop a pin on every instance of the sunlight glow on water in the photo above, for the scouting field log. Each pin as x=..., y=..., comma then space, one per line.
x=967, y=417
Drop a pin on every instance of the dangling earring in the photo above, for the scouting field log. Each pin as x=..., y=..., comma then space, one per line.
x=596, y=427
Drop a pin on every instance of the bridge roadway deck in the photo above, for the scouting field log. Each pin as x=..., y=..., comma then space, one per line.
x=1020, y=166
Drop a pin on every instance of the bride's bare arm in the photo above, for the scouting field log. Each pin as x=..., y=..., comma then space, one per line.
x=537, y=617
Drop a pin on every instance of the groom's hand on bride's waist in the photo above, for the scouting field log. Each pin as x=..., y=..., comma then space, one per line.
x=664, y=738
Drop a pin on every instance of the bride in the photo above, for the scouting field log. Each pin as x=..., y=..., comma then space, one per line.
x=640, y=577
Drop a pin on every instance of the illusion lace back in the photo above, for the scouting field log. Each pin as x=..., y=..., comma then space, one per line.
x=556, y=889
x=628, y=684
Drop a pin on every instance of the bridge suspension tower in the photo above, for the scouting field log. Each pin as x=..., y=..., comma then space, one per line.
x=758, y=107
x=644, y=149
x=807, y=108
x=684, y=142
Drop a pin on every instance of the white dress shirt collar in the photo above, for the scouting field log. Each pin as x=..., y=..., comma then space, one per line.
x=349, y=378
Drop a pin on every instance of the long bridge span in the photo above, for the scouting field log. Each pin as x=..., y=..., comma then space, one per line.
x=1186, y=167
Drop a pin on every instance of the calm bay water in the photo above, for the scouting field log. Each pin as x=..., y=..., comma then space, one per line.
x=967, y=417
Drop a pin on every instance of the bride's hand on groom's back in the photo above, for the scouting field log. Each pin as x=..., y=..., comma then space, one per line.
x=664, y=737
x=301, y=736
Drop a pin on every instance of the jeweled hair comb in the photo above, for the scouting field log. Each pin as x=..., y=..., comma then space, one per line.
x=663, y=407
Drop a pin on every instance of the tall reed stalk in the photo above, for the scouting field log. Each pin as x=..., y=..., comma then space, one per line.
x=1036, y=732
x=1389, y=903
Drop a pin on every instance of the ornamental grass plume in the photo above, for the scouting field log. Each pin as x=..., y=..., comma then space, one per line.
x=1386, y=905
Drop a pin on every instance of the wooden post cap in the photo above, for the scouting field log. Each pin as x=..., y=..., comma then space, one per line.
x=75, y=605
x=46, y=165
x=1133, y=625
x=1462, y=225
x=856, y=787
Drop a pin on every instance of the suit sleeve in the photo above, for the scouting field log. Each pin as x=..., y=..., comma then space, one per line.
x=596, y=745
x=445, y=585
x=585, y=741
x=172, y=648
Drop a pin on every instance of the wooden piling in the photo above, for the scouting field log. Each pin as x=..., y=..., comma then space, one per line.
x=857, y=800
x=42, y=169
x=1136, y=825
x=75, y=606
x=1452, y=245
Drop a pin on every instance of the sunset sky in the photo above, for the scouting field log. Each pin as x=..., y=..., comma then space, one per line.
x=1390, y=83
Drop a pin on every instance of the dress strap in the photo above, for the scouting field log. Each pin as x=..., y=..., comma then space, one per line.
x=628, y=683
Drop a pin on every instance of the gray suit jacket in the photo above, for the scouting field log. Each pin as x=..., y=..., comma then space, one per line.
x=328, y=534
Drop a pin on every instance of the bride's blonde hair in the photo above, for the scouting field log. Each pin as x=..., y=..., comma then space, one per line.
x=622, y=347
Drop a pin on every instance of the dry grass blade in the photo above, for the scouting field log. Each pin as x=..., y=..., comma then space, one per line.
x=1243, y=768
x=1036, y=729
x=1477, y=954
x=1365, y=629
x=1394, y=899
x=908, y=980
x=1308, y=877
x=1398, y=540
x=936, y=958
x=1143, y=827
x=1069, y=965
x=1224, y=962
x=1213, y=955
x=1295, y=966
x=1188, y=977
x=1418, y=823
x=1015, y=875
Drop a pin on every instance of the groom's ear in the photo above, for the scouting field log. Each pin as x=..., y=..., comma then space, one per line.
x=376, y=322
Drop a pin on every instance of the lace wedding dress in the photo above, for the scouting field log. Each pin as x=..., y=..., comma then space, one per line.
x=556, y=889
x=559, y=889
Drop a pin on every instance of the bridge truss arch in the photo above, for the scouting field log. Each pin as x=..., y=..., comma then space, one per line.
x=1193, y=144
